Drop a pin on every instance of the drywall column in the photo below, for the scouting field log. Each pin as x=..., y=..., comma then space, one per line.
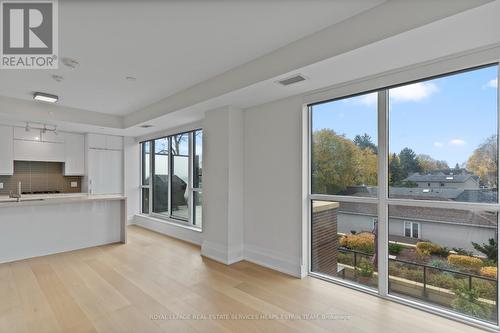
x=223, y=185
x=132, y=169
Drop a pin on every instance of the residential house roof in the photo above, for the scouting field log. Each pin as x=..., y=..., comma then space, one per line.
x=424, y=213
x=441, y=177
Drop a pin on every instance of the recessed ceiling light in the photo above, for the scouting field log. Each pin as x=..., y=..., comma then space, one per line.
x=58, y=78
x=146, y=126
x=38, y=96
x=70, y=63
x=130, y=78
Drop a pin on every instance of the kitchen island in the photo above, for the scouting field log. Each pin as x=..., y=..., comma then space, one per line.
x=39, y=225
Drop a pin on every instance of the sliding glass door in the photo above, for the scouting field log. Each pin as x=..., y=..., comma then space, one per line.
x=404, y=192
x=180, y=176
x=161, y=176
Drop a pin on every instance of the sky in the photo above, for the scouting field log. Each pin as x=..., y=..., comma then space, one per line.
x=446, y=118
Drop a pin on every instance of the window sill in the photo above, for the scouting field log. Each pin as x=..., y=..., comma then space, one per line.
x=172, y=222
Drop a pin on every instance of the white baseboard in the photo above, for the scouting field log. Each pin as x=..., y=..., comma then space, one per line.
x=266, y=258
x=169, y=228
x=130, y=219
x=220, y=253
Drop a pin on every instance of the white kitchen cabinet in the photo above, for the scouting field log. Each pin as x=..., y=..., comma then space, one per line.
x=20, y=133
x=38, y=151
x=96, y=141
x=6, y=151
x=109, y=142
x=74, y=147
x=105, y=171
x=114, y=142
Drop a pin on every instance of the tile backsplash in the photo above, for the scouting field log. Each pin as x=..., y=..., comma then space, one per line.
x=40, y=176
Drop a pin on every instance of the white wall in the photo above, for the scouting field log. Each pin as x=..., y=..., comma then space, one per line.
x=273, y=164
x=272, y=185
x=132, y=169
x=223, y=185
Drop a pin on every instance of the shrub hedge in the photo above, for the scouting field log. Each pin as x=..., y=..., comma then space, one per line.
x=431, y=248
x=364, y=242
x=489, y=271
x=466, y=262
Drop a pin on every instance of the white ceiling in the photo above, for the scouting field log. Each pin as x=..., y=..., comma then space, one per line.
x=193, y=56
x=168, y=46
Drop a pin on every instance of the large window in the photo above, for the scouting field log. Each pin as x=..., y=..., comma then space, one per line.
x=145, y=176
x=344, y=147
x=171, y=177
x=415, y=216
x=160, y=176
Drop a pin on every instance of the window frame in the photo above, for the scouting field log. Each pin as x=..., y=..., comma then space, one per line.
x=425, y=72
x=189, y=222
x=198, y=189
x=142, y=185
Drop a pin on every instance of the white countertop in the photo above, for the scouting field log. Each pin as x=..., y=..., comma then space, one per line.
x=48, y=199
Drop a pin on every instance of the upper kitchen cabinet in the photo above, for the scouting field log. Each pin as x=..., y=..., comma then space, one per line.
x=37, y=145
x=96, y=141
x=25, y=150
x=114, y=142
x=6, y=151
x=74, y=147
x=109, y=142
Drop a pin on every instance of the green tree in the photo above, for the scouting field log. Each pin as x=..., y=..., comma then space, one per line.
x=467, y=302
x=484, y=160
x=365, y=141
x=395, y=172
x=409, y=162
x=489, y=250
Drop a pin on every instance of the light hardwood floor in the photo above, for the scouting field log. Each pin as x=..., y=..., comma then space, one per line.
x=136, y=287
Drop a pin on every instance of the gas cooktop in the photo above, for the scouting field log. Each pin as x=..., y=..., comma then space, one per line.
x=42, y=192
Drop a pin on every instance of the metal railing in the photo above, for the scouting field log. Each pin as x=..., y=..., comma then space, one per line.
x=426, y=269
x=355, y=259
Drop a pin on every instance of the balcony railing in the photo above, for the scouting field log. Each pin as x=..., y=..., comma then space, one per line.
x=425, y=268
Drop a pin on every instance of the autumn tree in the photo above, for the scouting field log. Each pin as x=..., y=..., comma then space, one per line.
x=366, y=167
x=429, y=164
x=337, y=163
x=483, y=162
